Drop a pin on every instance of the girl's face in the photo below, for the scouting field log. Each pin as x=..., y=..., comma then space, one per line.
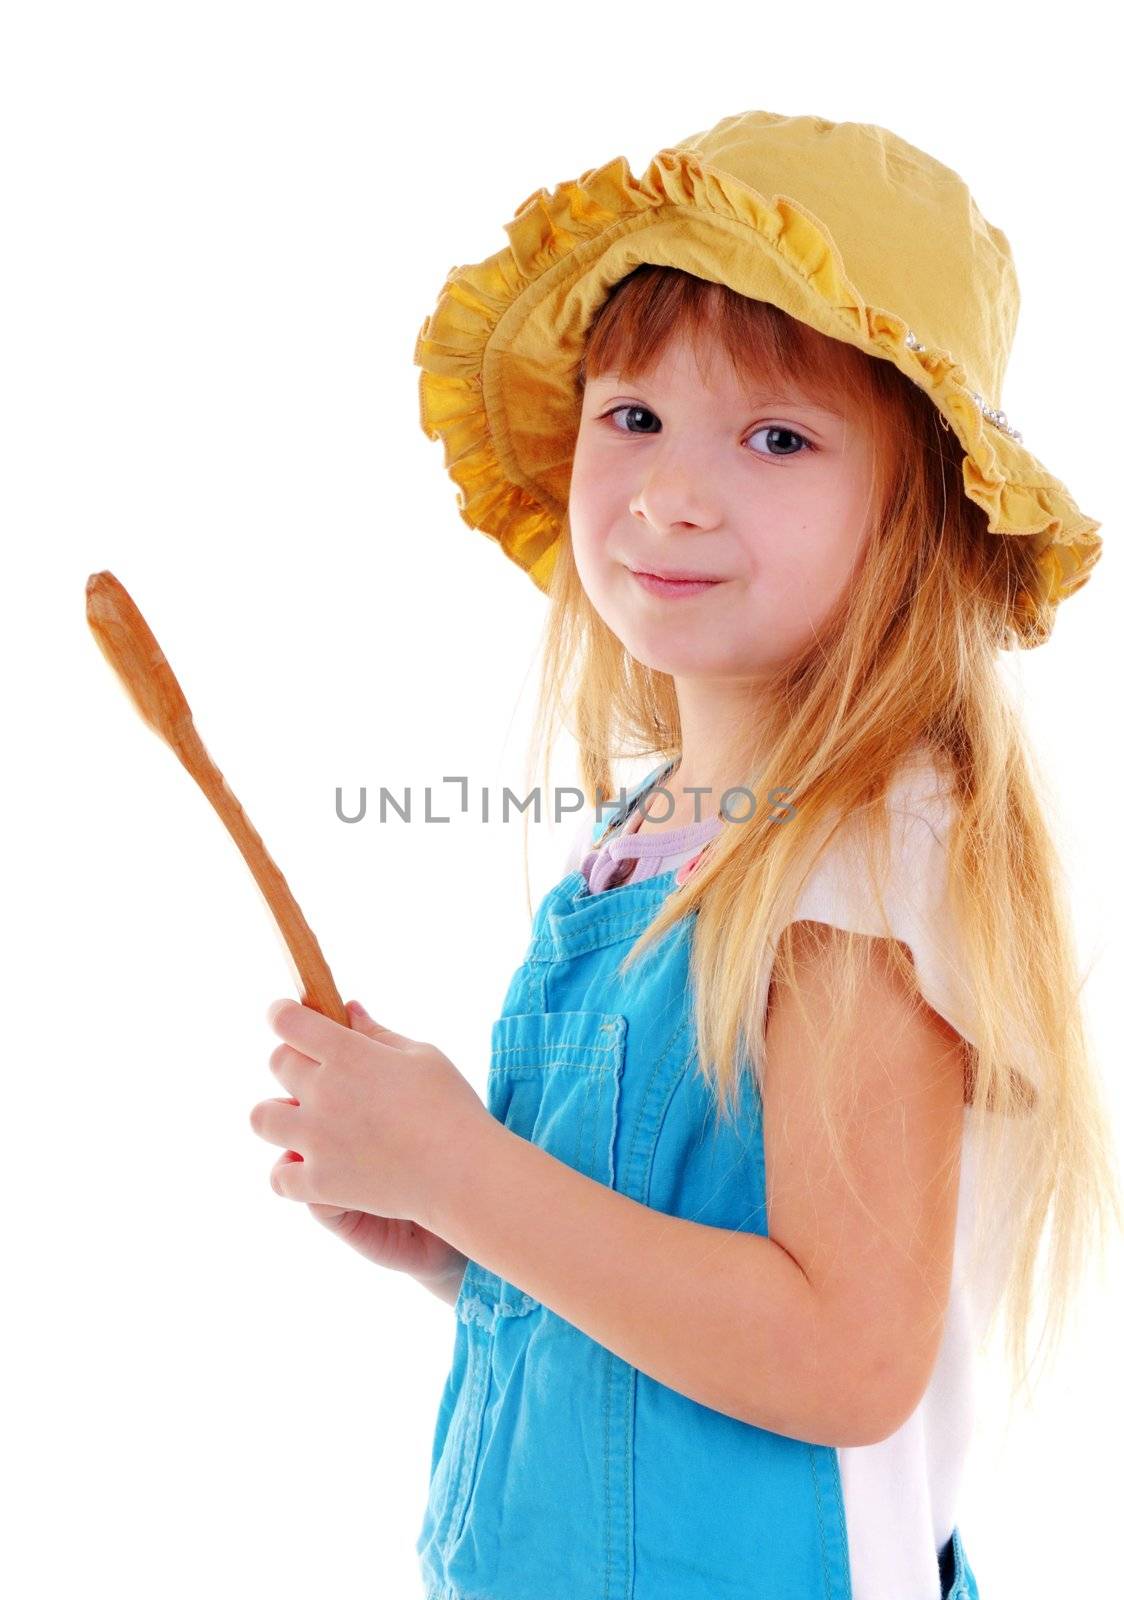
x=765, y=494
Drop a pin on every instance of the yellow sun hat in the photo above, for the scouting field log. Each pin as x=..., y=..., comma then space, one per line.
x=843, y=225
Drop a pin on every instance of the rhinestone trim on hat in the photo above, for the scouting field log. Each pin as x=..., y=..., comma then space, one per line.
x=999, y=418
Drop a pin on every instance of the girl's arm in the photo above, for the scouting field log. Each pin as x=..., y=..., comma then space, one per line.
x=828, y=1329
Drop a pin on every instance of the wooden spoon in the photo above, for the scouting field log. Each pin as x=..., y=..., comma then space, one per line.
x=127, y=643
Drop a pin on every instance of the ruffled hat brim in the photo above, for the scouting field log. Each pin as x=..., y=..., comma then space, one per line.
x=499, y=353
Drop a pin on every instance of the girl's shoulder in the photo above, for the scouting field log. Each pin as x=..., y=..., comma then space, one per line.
x=922, y=789
x=911, y=889
x=904, y=895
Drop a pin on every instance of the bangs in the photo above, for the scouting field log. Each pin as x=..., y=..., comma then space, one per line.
x=777, y=356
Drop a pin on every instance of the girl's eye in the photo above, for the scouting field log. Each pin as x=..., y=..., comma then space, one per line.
x=785, y=433
x=631, y=411
x=773, y=429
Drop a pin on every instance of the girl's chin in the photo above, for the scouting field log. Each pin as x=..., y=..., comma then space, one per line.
x=682, y=663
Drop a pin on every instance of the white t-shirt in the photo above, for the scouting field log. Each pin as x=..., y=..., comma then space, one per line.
x=917, y=1470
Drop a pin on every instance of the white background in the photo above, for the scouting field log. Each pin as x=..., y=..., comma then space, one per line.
x=223, y=227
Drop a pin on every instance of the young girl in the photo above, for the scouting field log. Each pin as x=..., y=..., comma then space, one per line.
x=793, y=1072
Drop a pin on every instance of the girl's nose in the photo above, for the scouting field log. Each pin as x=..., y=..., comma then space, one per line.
x=674, y=498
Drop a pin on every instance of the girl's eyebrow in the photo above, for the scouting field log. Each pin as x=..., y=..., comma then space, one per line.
x=791, y=398
x=752, y=397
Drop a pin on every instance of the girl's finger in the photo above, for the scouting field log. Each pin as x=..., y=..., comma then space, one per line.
x=271, y=1124
x=361, y=1022
x=289, y=1063
x=276, y=1182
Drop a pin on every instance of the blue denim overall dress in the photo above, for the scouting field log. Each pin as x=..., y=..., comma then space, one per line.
x=558, y=1470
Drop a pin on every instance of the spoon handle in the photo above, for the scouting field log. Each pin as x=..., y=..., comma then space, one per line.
x=130, y=647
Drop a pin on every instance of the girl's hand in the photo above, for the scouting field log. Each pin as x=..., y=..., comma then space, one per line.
x=397, y=1244
x=376, y=1121
x=392, y=1242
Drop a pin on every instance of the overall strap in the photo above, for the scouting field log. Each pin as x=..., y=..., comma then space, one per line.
x=618, y=815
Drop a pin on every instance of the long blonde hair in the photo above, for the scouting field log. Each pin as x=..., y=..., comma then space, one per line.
x=909, y=659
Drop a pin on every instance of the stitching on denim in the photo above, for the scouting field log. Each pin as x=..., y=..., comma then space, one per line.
x=606, y=931
x=817, y=1456
x=579, y=1155
x=547, y=1050
x=615, y=1108
x=540, y=972
x=843, y=1540
x=606, y=1459
x=619, y=1395
x=812, y=1463
x=473, y=1413
x=660, y=1059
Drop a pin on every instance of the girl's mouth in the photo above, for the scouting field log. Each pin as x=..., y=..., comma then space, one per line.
x=671, y=587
